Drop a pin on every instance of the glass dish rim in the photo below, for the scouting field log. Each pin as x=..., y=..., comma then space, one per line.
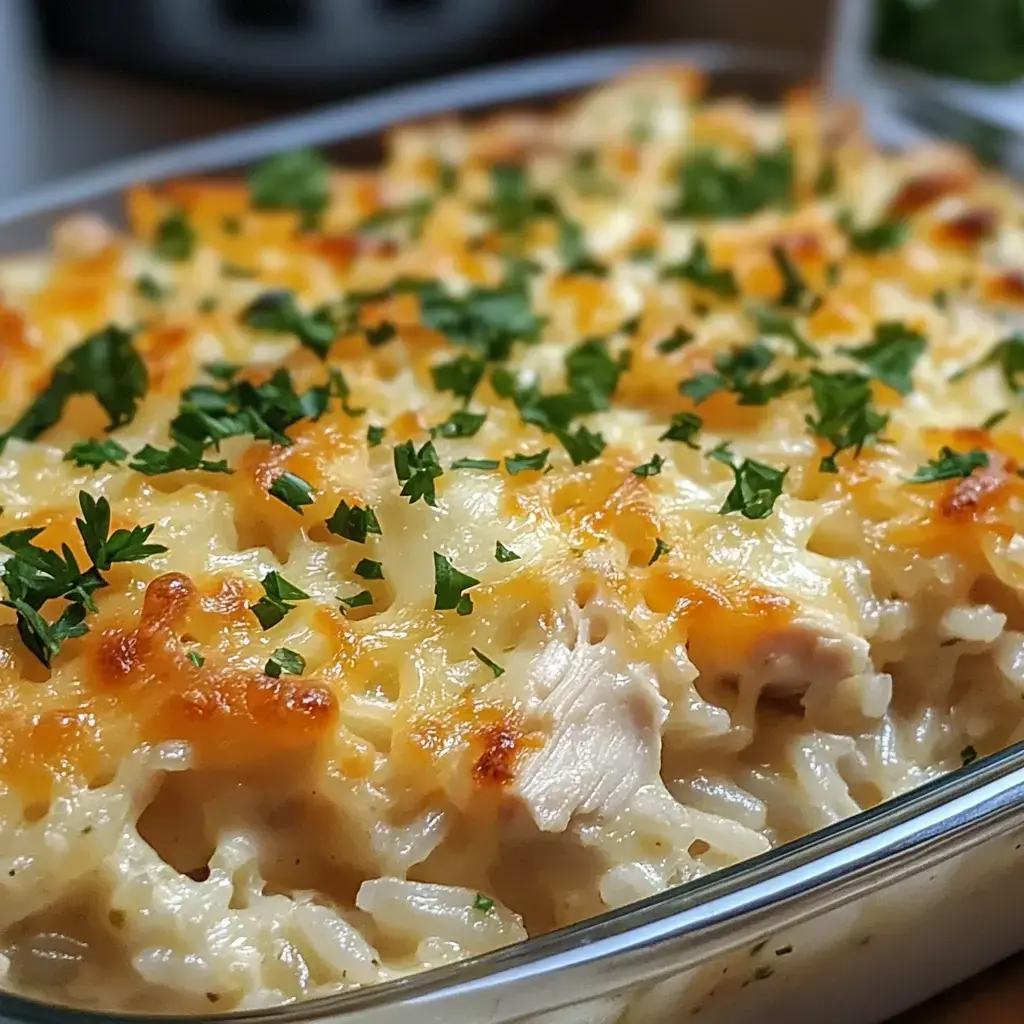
x=685, y=925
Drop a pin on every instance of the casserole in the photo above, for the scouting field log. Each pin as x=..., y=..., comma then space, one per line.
x=986, y=806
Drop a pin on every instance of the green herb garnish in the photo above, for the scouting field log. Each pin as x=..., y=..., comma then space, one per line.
x=417, y=471
x=685, y=426
x=94, y=454
x=297, y=180
x=278, y=600
x=285, y=662
x=504, y=554
x=949, y=465
x=884, y=236
x=678, y=339
x=374, y=435
x=756, y=489
x=582, y=445
x=516, y=464
x=484, y=903
x=892, y=355
x=650, y=468
x=278, y=312
x=660, y=548
x=353, y=522
x=697, y=269
x=368, y=569
x=450, y=585
x=482, y=464
x=460, y=376
x=292, y=490
x=175, y=238
x=481, y=902
x=845, y=416
x=462, y=423
x=713, y=187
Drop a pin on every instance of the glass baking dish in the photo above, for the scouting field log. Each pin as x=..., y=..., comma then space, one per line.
x=850, y=924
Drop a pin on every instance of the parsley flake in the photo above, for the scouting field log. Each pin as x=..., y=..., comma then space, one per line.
x=712, y=187
x=795, y=292
x=417, y=471
x=94, y=454
x=462, y=423
x=884, y=236
x=504, y=554
x=845, y=416
x=295, y=180
x=582, y=446
x=697, y=269
x=482, y=464
x=278, y=600
x=149, y=288
x=175, y=238
x=678, y=339
x=949, y=465
x=774, y=323
x=368, y=569
x=484, y=903
x=650, y=468
x=742, y=372
x=481, y=902
x=516, y=464
x=104, y=365
x=279, y=313
x=285, y=662
x=756, y=488
x=1008, y=355
x=892, y=355
x=353, y=522
x=450, y=585
x=375, y=435
x=460, y=376
x=513, y=203
x=384, y=332
x=196, y=658
x=361, y=600
x=292, y=490
x=573, y=250
x=685, y=426
x=660, y=548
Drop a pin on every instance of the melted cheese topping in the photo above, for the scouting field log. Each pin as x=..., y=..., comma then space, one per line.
x=401, y=803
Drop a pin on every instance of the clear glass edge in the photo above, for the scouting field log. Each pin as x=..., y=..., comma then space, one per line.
x=681, y=927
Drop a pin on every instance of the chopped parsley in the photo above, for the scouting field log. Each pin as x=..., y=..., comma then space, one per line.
x=149, y=288
x=462, y=423
x=375, y=435
x=949, y=465
x=368, y=569
x=845, y=416
x=292, y=490
x=1008, y=355
x=482, y=464
x=410, y=216
x=384, y=332
x=742, y=372
x=460, y=376
x=175, y=238
x=660, y=548
x=196, y=658
x=697, y=269
x=795, y=292
x=417, y=471
x=278, y=312
x=650, y=468
x=480, y=901
x=685, y=426
x=516, y=464
x=94, y=454
x=285, y=662
x=573, y=250
x=995, y=419
x=361, y=600
x=777, y=324
x=756, y=488
x=209, y=414
x=450, y=585
x=484, y=903
x=892, y=355
x=583, y=445
x=104, y=365
x=488, y=320
x=296, y=180
x=353, y=522
x=514, y=204
x=713, y=187
x=278, y=600
x=33, y=576
x=678, y=339
x=504, y=554
x=884, y=236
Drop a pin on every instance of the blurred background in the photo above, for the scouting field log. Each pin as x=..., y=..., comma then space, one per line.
x=84, y=82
